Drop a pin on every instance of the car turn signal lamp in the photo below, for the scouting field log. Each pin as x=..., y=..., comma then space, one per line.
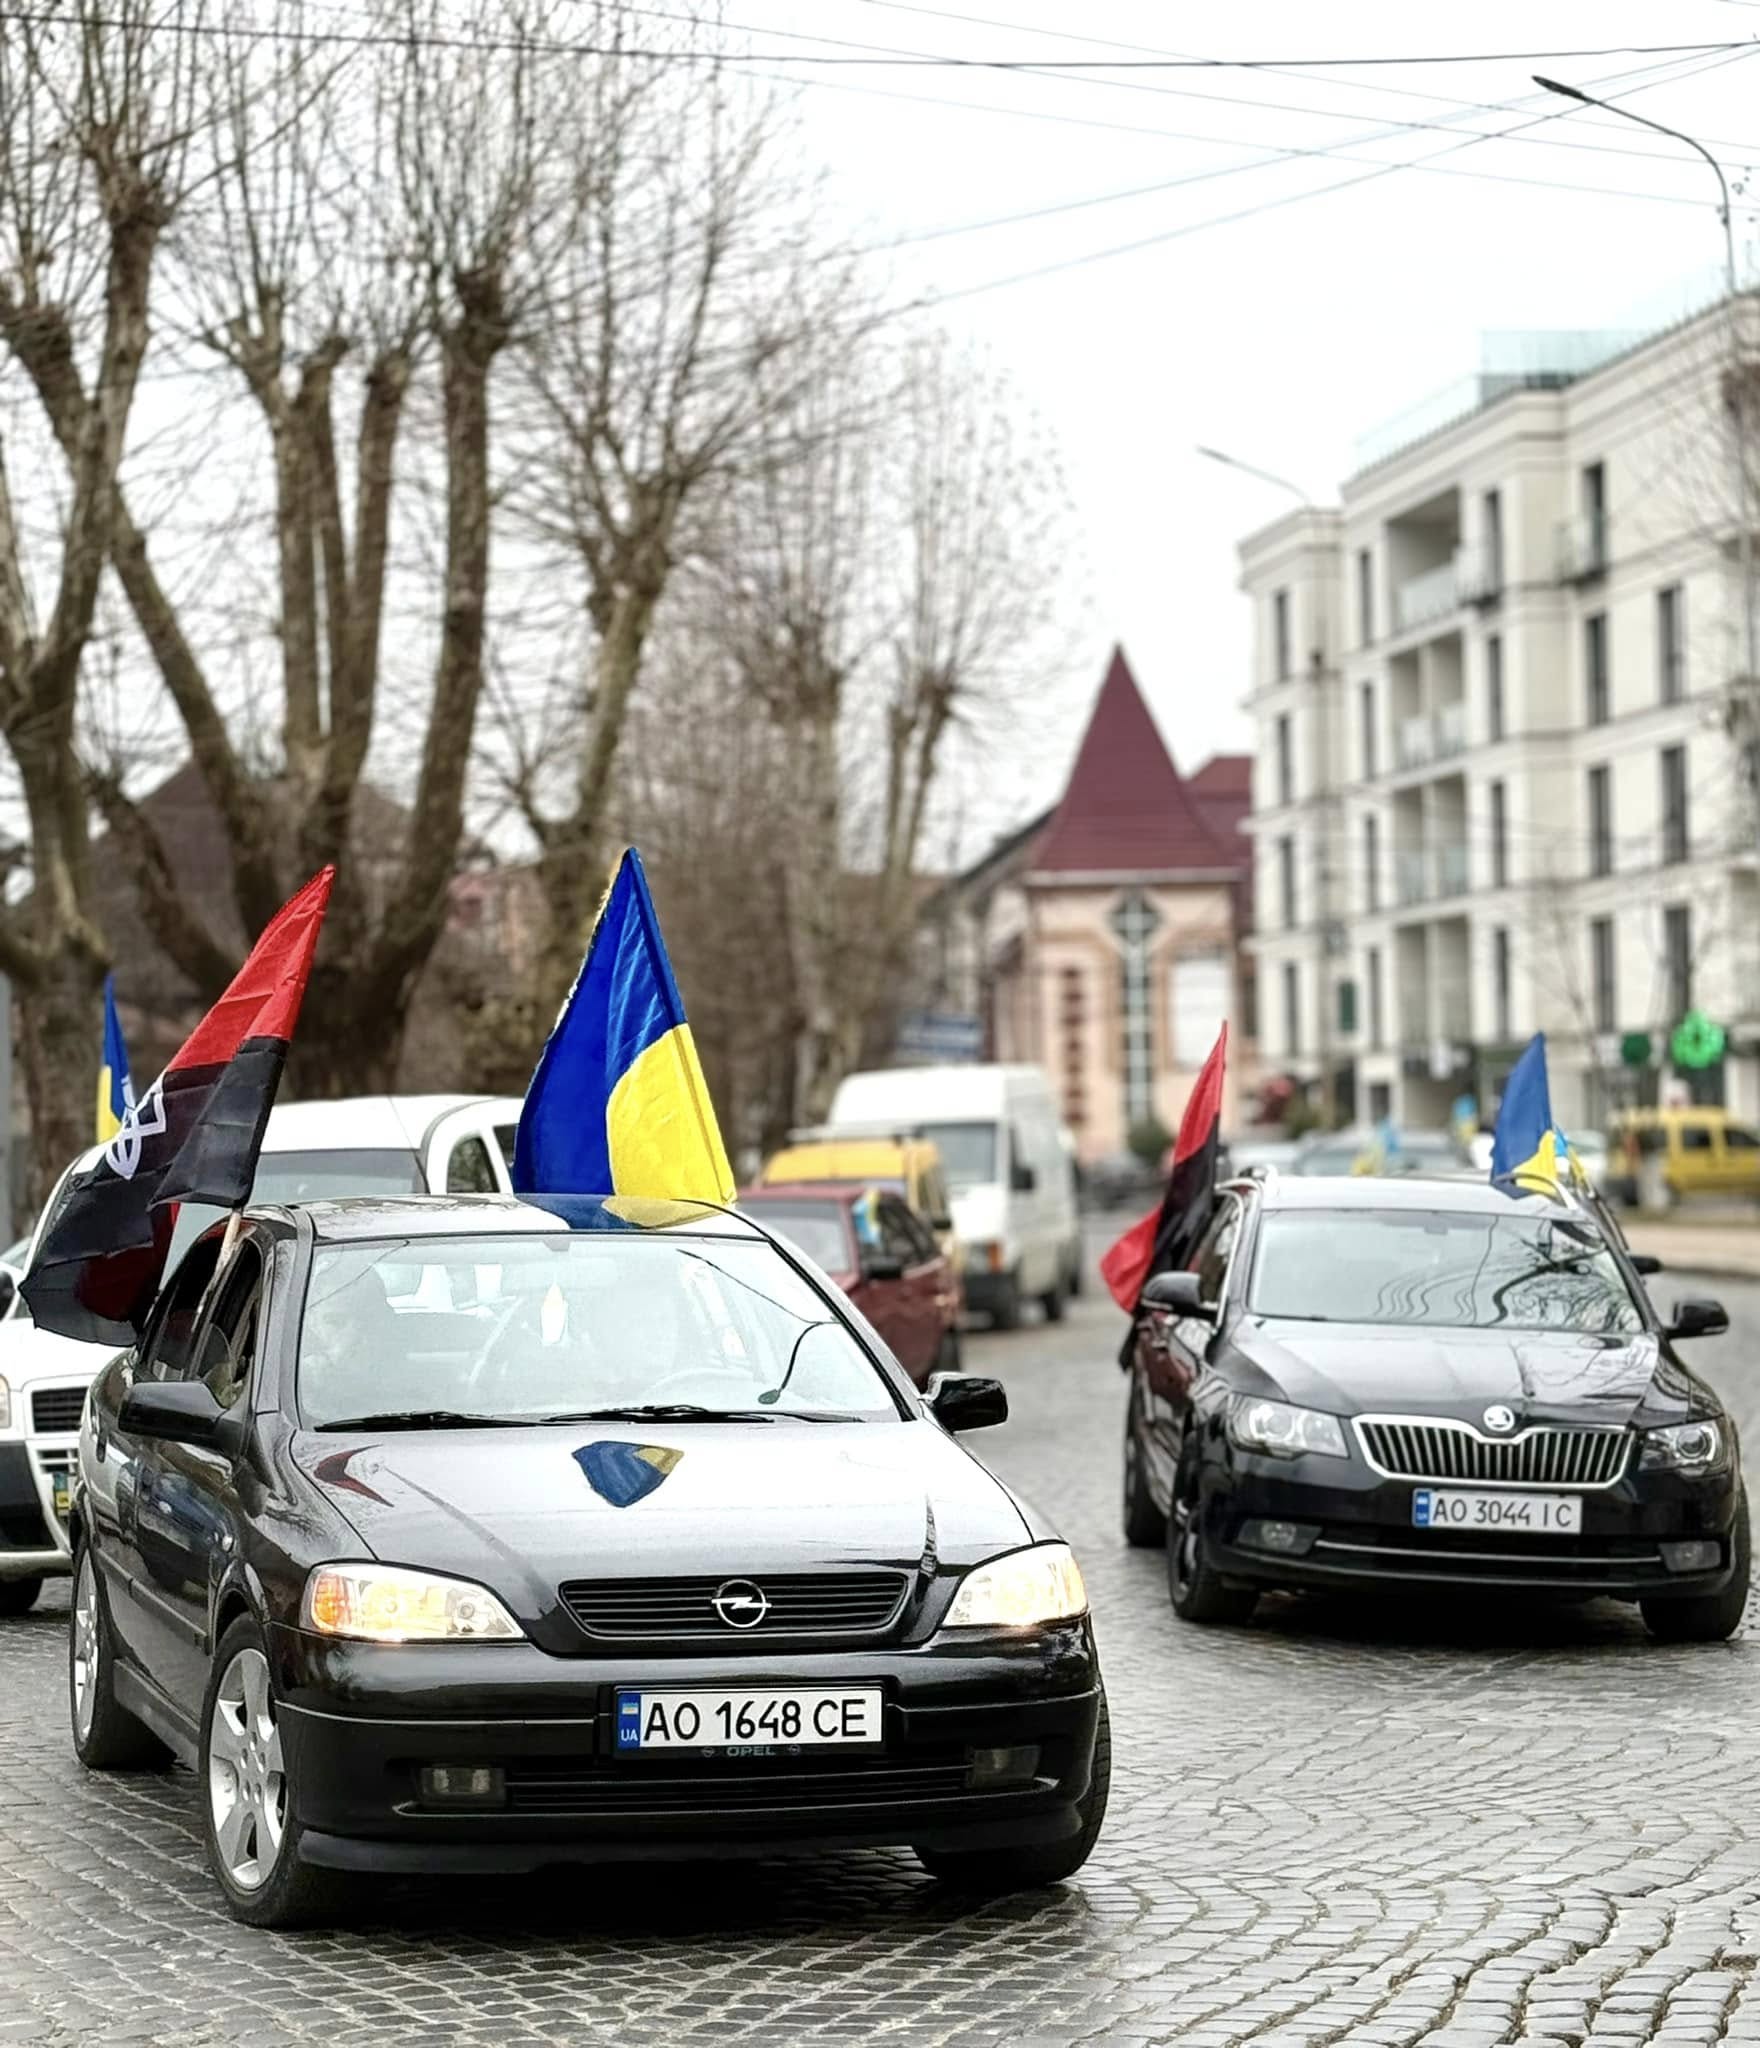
x=376, y=1604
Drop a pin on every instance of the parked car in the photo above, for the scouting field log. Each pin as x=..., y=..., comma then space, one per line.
x=873, y=1246
x=1000, y=1139
x=376, y=1145
x=910, y=1167
x=480, y=1537
x=1369, y=1385
x=1685, y=1152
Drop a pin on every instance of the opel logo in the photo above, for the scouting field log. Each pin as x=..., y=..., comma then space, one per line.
x=1500, y=1420
x=740, y=1604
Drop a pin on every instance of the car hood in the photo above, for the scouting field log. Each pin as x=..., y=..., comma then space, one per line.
x=1353, y=1368
x=527, y=1509
x=32, y=1357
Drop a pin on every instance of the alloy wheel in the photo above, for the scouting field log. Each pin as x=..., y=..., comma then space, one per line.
x=247, y=1779
x=83, y=1654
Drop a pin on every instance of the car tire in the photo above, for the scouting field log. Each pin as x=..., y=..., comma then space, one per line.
x=1145, y=1526
x=1007, y=1313
x=1197, y=1591
x=19, y=1596
x=249, y=1827
x=996, y=1872
x=106, y=1736
x=1054, y=1303
x=1708, y=1617
x=1076, y=1278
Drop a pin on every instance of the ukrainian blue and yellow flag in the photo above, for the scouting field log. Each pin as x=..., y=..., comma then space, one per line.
x=618, y=1104
x=1527, y=1147
x=115, y=1089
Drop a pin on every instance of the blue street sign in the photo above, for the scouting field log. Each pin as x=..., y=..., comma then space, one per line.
x=940, y=1035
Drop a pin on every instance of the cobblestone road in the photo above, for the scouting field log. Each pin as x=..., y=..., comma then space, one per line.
x=1333, y=1827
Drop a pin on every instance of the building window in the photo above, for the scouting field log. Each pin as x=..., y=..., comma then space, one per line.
x=1286, y=774
x=1601, y=971
x=1365, y=598
x=1286, y=880
x=1136, y=921
x=1500, y=984
x=1380, y=1101
x=1200, y=1003
x=1347, y=1009
x=1671, y=645
x=1677, y=955
x=1595, y=512
x=1372, y=961
x=1595, y=667
x=1371, y=863
x=1280, y=633
x=1499, y=837
x=1073, y=1023
x=1600, y=821
x=1492, y=509
x=1366, y=718
x=1674, y=805
x=1494, y=687
x=1292, y=1008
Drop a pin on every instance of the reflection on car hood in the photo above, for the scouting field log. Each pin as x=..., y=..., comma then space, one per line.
x=524, y=1510
x=1376, y=1368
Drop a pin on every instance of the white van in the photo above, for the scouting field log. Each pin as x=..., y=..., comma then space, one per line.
x=373, y=1145
x=1007, y=1166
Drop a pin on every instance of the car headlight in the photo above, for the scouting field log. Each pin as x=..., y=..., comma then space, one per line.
x=380, y=1604
x=985, y=1256
x=1684, y=1447
x=5, y=1405
x=1020, y=1590
x=1282, y=1431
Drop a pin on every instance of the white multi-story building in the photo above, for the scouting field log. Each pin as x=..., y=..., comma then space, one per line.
x=1504, y=776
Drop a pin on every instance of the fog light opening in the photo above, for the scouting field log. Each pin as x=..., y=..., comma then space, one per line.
x=462, y=1785
x=1002, y=1766
x=1286, y=1539
x=1698, y=1554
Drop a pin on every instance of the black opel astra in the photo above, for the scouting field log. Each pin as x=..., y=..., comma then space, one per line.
x=475, y=1536
x=1430, y=1385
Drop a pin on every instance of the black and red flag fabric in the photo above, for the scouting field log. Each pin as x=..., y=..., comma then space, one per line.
x=1166, y=1238
x=193, y=1136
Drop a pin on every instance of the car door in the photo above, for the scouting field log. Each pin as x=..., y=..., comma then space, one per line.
x=912, y=1321
x=1171, y=1350
x=1741, y=1150
x=1696, y=1167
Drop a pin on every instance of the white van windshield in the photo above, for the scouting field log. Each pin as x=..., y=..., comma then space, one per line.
x=968, y=1153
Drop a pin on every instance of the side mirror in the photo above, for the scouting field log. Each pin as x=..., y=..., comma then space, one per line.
x=1646, y=1263
x=1176, y=1294
x=882, y=1266
x=180, y=1412
x=940, y=1222
x=1698, y=1319
x=1022, y=1178
x=960, y=1400
x=10, y=1280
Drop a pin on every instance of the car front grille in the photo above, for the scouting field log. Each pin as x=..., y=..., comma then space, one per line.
x=536, y=1786
x=683, y=1610
x=57, y=1410
x=1438, y=1451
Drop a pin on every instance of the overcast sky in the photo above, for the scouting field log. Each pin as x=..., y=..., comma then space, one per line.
x=1282, y=335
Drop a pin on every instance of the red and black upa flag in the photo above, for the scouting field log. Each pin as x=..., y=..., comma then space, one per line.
x=1166, y=1238
x=193, y=1137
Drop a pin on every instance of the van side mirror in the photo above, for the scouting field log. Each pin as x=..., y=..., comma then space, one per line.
x=180, y=1412
x=10, y=1278
x=961, y=1400
x=1022, y=1178
x=1177, y=1294
x=881, y=1266
x=1698, y=1319
x=1646, y=1263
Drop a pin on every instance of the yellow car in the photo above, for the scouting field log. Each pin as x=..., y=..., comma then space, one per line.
x=1694, y=1150
x=906, y=1166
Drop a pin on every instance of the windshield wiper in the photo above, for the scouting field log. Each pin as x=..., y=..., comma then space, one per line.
x=658, y=1411
x=425, y=1418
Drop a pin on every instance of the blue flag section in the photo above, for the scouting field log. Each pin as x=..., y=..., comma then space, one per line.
x=1527, y=1148
x=624, y=1473
x=115, y=1088
x=618, y=1104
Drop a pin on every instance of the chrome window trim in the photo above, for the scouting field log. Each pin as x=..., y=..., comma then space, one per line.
x=1467, y=1429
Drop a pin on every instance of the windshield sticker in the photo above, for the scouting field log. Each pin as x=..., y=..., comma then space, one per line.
x=624, y=1473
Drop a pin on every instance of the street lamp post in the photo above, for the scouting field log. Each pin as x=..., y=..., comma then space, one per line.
x=1328, y=1083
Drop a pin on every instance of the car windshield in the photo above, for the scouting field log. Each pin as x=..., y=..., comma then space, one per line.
x=968, y=1153
x=530, y=1328
x=308, y=1177
x=1454, y=1271
x=815, y=1229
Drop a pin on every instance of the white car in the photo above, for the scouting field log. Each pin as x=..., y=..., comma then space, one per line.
x=370, y=1145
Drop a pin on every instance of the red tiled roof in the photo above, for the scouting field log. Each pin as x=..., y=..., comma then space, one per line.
x=1224, y=790
x=1126, y=809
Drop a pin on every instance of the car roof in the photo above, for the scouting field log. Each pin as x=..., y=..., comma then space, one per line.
x=857, y=1154
x=1464, y=1196
x=352, y=1218
x=845, y=1193
x=367, y=1123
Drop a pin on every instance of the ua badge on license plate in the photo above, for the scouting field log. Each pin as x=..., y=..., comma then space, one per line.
x=741, y=1720
x=1524, y=1514
x=61, y=1493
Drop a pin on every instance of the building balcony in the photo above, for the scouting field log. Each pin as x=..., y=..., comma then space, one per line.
x=1478, y=574
x=1425, y=598
x=1452, y=873
x=1414, y=742
x=1411, y=877
x=1425, y=874
x=1451, y=728
x=1582, y=547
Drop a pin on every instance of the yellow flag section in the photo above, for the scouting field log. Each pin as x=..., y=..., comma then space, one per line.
x=618, y=1104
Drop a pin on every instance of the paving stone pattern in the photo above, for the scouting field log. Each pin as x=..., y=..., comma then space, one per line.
x=1337, y=1826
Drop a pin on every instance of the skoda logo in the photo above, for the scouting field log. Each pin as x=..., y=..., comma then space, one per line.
x=1500, y=1421
x=740, y=1604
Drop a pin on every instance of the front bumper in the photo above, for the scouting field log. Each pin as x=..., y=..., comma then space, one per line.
x=359, y=1721
x=985, y=1292
x=33, y=1537
x=1366, y=1538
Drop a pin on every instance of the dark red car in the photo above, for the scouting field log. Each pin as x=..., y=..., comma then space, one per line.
x=884, y=1257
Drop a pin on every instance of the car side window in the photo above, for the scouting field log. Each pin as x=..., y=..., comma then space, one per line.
x=506, y=1135
x=1211, y=1263
x=468, y=1170
x=1738, y=1138
x=167, y=1349
x=898, y=1236
x=934, y=1194
x=1695, y=1137
x=922, y=1238
x=228, y=1345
